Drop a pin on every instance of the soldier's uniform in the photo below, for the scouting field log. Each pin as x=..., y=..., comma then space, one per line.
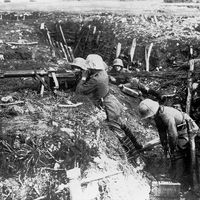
x=96, y=86
x=117, y=75
x=172, y=129
x=142, y=89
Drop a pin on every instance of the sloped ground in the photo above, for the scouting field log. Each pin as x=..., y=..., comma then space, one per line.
x=40, y=140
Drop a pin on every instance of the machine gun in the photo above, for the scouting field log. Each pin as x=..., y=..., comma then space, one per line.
x=51, y=79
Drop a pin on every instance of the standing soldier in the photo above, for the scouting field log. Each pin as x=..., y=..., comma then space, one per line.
x=172, y=129
x=95, y=84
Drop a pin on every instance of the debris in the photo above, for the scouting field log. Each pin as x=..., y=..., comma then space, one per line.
x=164, y=189
x=13, y=103
x=70, y=105
x=15, y=110
x=69, y=131
x=22, y=42
x=54, y=124
x=30, y=108
x=1, y=57
x=7, y=99
x=56, y=166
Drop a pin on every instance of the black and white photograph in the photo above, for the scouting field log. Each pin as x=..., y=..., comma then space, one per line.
x=99, y=100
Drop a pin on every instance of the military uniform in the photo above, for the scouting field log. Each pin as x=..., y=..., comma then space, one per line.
x=136, y=85
x=172, y=129
x=96, y=87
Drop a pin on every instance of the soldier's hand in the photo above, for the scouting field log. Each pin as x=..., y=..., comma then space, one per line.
x=84, y=75
x=112, y=79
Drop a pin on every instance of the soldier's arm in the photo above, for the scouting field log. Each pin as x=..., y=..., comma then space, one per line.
x=112, y=79
x=172, y=133
x=162, y=134
x=86, y=87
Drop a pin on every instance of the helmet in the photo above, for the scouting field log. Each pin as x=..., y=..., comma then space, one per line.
x=148, y=108
x=79, y=62
x=95, y=61
x=118, y=62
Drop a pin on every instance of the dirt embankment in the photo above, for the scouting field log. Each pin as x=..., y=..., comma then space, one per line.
x=40, y=140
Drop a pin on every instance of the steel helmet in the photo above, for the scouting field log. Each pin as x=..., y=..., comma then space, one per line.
x=79, y=62
x=148, y=108
x=118, y=62
x=94, y=61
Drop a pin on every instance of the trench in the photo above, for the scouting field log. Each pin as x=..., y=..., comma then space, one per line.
x=99, y=34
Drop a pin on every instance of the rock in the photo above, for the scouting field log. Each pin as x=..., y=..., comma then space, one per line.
x=15, y=110
x=69, y=131
x=15, y=95
x=56, y=166
x=1, y=57
x=54, y=124
x=7, y=99
x=31, y=109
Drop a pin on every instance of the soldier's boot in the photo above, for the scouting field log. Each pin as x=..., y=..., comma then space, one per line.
x=131, y=137
x=127, y=145
x=120, y=134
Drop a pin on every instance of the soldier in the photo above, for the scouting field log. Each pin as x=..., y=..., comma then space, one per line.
x=116, y=74
x=78, y=66
x=95, y=84
x=137, y=89
x=172, y=129
x=130, y=86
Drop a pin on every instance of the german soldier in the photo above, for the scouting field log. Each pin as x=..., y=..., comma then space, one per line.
x=172, y=129
x=95, y=84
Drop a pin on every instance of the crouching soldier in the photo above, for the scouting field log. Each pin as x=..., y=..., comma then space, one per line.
x=95, y=84
x=172, y=128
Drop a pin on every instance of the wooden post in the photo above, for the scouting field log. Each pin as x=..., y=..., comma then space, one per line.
x=74, y=184
x=147, y=55
x=132, y=49
x=42, y=88
x=189, y=86
x=118, y=49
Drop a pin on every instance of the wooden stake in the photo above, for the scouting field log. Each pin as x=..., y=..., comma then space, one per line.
x=147, y=55
x=118, y=49
x=42, y=88
x=132, y=49
x=156, y=20
x=189, y=87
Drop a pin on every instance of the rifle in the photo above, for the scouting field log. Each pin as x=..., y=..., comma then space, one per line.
x=51, y=79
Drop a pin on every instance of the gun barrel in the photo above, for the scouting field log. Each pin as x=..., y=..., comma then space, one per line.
x=22, y=73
